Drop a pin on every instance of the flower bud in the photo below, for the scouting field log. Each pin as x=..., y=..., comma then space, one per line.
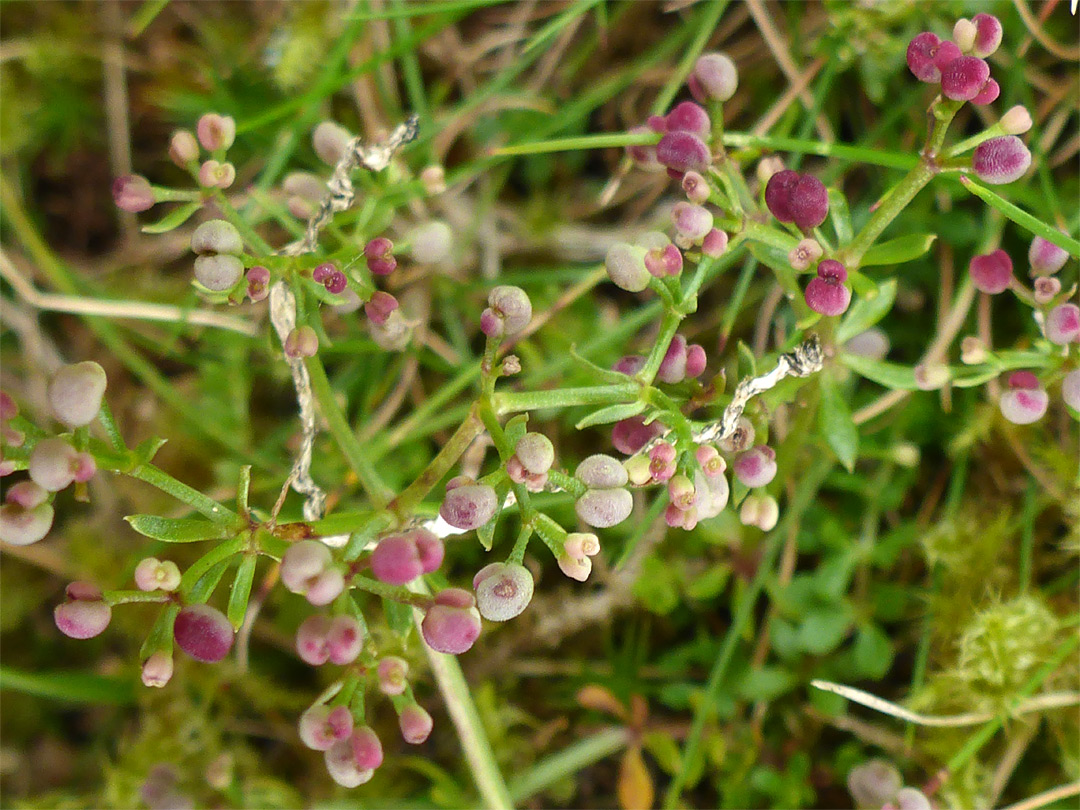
x=452, y=624
x=692, y=222
x=1046, y=289
x=710, y=460
x=301, y=342
x=215, y=131
x=1063, y=324
x=625, y=266
x=214, y=174
x=431, y=242
x=75, y=393
x=581, y=544
x=696, y=188
x=25, y=518
x=313, y=640
x=874, y=783
x=217, y=272
x=203, y=633
x=133, y=193
x=662, y=461
x=469, y=506
x=1070, y=389
x=258, y=283
x=688, y=117
x=630, y=435
x=157, y=670
x=152, y=574
x=433, y=179
x=677, y=518
x=988, y=94
x=673, y=367
x=1015, y=121
x=601, y=472
x=367, y=749
x=512, y=306
x=503, y=590
x=577, y=568
x=1025, y=402
x=604, y=508
x=392, y=673
x=714, y=78
x=696, y=360
x=662, y=258
x=922, y=52
x=988, y=33
x=714, y=244
x=761, y=511
x=415, y=724
x=757, y=466
x=85, y=614
x=321, y=726
x=964, y=77
x=344, y=640
x=991, y=273
x=330, y=141
x=380, y=306
x=342, y=766
x=396, y=560
x=1001, y=160
x=535, y=452
x=827, y=294
x=53, y=464
x=741, y=438
x=683, y=152
x=1045, y=257
x=183, y=148
x=682, y=493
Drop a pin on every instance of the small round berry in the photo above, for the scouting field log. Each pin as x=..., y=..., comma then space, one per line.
x=415, y=724
x=157, y=670
x=331, y=141
x=715, y=243
x=1016, y=120
x=469, y=506
x=302, y=562
x=392, y=674
x=1070, y=389
x=630, y=435
x=696, y=188
x=342, y=767
x=75, y=393
x=688, y=117
x=217, y=236
x=1001, y=160
x=827, y=294
x=203, y=633
x=326, y=587
x=511, y=304
x=336, y=283
x=301, y=342
x=85, y=614
x=963, y=78
x=503, y=591
x=321, y=726
x=217, y=272
x=215, y=131
x=642, y=154
x=778, y=194
x=625, y=266
x=1025, y=402
x=132, y=193
x=344, y=640
x=53, y=464
x=808, y=202
x=921, y=52
x=761, y=511
x=696, y=360
x=874, y=783
x=601, y=472
x=430, y=548
x=692, y=222
x=947, y=53
x=535, y=452
x=258, y=283
x=1045, y=257
x=604, y=508
x=183, y=148
x=991, y=273
x=673, y=367
x=396, y=560
x=367, y=749
x=431, y=242
x=662, y=258
x=452, y=624
x=26, y=494
x=380, y=306
x=683, y=152
x=988, y=94
x=713, y=78
x=1063, y=324
x=988, y=33
x=757, y=466
x=24, y=525
x=313, y=640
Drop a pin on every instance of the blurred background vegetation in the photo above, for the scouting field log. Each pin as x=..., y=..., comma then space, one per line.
x=942, y=572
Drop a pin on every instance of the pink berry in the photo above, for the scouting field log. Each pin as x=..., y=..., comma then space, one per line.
x=964, y=77
x=24, y=525
x=469, y=507
x=85, y=614
x=215, y=131
x=689, y=117
x=313, y=640
x=992, y=273
x=367, y=749
x=947, y=53
x=415, y=724
x=321, y=726
x=778, y=194
x=344, y=640
x=132, y=193
x=988, y=94
x=696, y=360
x=301, y=342
x=392, y=673
x=604, y=508
x=662, y=260
x=682, y=152
x=396, y=560
x=673, y=367
x=715, y=243
x=1001, y=160
x=203, y=633
x=921, y=52
x=380, y=306
x=692, y=222
x=988, y=33
x=1025, y=402
x=827, y=294
x=503, y=591
x=75, y=393
x=512, y=306
x=601, y=472
x=342, y=766
x=430, y=548
x=1063, y=324
x=535, y=452
x=756, y=467
x=630, y=435
x=452, y=624
x=808, y=202
x=53, y=464
x=713, y=78
x=1045, y=257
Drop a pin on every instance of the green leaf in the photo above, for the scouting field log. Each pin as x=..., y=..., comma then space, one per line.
x=612, y=413
x=747, y=361
x=834, y=419
x=174, y=219
x=1023, y=218
x=160, y=636
x=241, y=590
x=840, y=216
x=147, y=449
x=765, y=683
x=486, y=533
x=243, y=485
x=398, y=617
x=516, y=428
x=897, y=251
x=823, y=629
x=177, y=530
x=873, y=652
x=890, y=375
x=866, y=311
x=72, y=687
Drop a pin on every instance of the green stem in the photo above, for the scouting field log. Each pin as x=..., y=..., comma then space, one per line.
x=391, y=592
x=896, y=202
x=129, y=597
x=340, y=429
x=569, y=761
x=669, y=325
x=112, y=430
x=505, y=402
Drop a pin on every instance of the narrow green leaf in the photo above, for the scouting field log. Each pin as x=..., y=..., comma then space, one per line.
x=243, y=485
x=840, y=216
x=486, y=533
x=866, y=311
x=71, y=687
x=873, y=652
x=897, y=251
x=1023, y=218
x=176, y=530
x=147, y=449
x=516, y=428
x=174, y=219
x=241, y=590
x=398, y=617
x=612, y=413
x=890, y=375
x=160, y=636
x=834, y=418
